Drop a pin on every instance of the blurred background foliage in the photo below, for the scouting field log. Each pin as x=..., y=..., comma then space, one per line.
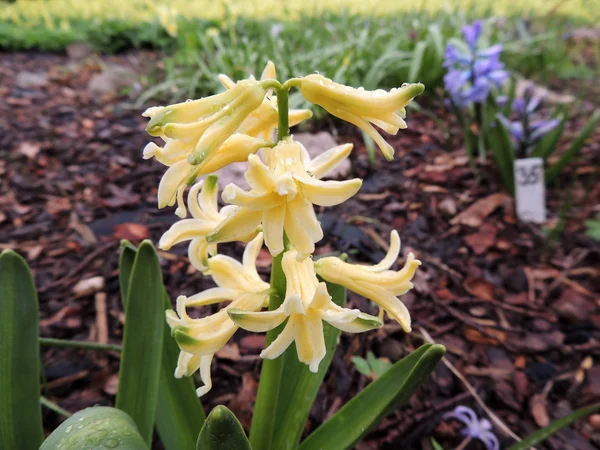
x=360, y=43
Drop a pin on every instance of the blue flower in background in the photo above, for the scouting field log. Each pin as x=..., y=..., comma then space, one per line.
x=473, y=71
x=527, y=130
x=475, y=427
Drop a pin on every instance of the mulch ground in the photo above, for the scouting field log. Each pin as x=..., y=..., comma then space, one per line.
x=517, y=306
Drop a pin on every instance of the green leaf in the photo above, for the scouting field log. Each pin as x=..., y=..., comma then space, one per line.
x=436, y=445
x=126, y=259
x=179, y=413
x=498, y=141
x=361, y=365
x=222, y=431
x=554, y=427
x=377, y=400
x=99, y=427
x=20, y=410
x=417, y=60
x=547, y=144
x=263, y=423
x=573, y=151
x=300, y=386
x=144, y=325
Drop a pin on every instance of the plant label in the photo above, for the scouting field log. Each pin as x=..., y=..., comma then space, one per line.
x=530, y=190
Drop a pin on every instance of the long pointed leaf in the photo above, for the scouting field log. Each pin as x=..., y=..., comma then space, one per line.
x=554, y=427
x=300, y=386
x=99, y=427
x=575, y=148
x=143, y=336
x=222, y=431
x=547, y=144
x=378, y=399
x=179, y=413
x=498, y=141
x=20, y=410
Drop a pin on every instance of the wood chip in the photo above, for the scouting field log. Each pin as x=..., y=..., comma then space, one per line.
x=478, y=211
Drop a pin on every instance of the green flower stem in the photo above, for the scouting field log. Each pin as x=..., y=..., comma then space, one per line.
x=283, y=127
x=263, y=420
x=54, y=407
x=49, y=342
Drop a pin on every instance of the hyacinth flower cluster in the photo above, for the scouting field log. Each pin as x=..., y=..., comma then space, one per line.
x=473, y=72
x=278, y=211
x=475, y=428
x=530, y=126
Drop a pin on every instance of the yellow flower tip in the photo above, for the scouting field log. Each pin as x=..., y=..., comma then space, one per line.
x=229, y=193
x=151, y=150
x=152, y=111
x=269, y=72
x=388, y=152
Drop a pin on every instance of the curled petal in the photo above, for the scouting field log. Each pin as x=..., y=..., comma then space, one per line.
x=272, y=221
x=238, y=225
x=185, y=230
x=391, y=257
x=283, y=340
x=205, y=363
x=187, y=364
x=329, y=193
x=257, y=321
x=329, y=160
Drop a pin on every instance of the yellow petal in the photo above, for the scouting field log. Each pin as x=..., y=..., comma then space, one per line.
x=327, y=161
x=282, y=342
x=229, y=273
x=238, y=225
x=198, y=251
x=207, y=200
x=314, y=329
x=303, y=213
x=386, y=149
x=272, y=221
x=258, y=175
x=253, y=200
x=173, y=178
x=251, y=254
x=269, y=72
x=257, y=321
x=388, y=301
x=212, y=296
x=205, y=363
x=329, y=193
x=298, y=237
x=187, y=364
x=391, y=257
x=363, y=322
x=304, y=344
x=185, y=230
x=299, y=115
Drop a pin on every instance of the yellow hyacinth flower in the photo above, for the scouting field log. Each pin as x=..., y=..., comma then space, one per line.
x=202, y=203
x=236, y=148
x=307, y=304
x=195, y=130
x=282, y=195
x=362, y=108
x=377, y=283
x=262, y=122
x=200, y=339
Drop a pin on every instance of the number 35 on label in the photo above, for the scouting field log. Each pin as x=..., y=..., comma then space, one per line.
x=530, y=190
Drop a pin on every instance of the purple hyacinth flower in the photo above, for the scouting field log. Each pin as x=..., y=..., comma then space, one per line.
x=542, y=127
x=472, y=32
x=475, y=428
x=514, y=128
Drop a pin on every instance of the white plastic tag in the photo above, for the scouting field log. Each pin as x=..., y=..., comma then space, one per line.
x=530, y=190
